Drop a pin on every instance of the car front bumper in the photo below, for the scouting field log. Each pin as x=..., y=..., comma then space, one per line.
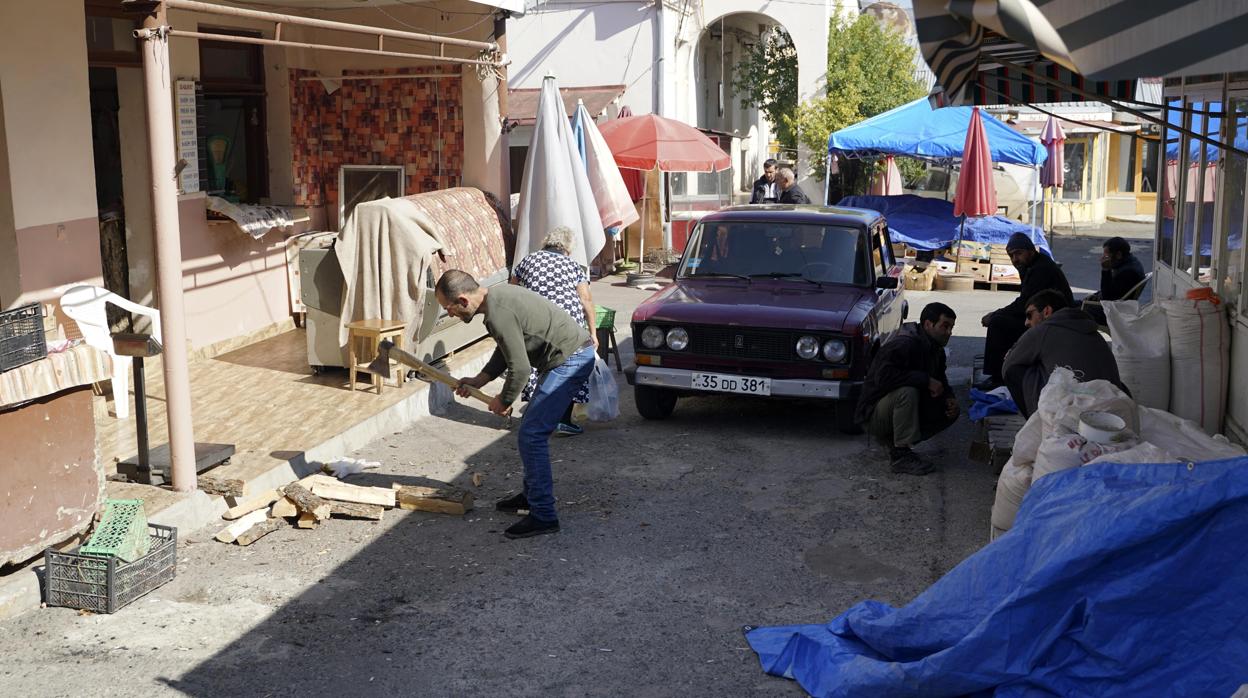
x=682, y=379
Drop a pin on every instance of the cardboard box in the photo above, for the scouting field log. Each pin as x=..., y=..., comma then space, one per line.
x=1006, y=273
x=944, y=266
x=977, y=270
x=916, y=279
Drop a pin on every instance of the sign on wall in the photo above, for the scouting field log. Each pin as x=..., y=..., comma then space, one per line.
x=188, y=135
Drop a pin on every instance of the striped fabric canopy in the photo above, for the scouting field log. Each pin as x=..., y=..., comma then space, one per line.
x=1100, y=40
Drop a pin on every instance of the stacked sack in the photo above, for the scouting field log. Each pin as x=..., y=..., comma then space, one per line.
x=1049, y=442
x=1141, y=345
x=1200, y=342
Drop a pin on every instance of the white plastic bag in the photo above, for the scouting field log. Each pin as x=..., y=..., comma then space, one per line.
x=1200, y=344
x=1141, y=344
x=604, y=394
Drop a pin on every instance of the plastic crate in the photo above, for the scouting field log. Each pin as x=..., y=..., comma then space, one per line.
x=605, y=317
x=122, y=532
x=105, y=584
x=21, y=336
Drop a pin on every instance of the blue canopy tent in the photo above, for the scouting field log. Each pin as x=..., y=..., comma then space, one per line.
x=1203, y=214
x=916, y=130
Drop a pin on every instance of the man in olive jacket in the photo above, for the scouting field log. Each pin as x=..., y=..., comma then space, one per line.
x=530, y=332
x=906, y=396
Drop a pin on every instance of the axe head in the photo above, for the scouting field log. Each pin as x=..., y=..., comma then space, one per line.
x=380, y=366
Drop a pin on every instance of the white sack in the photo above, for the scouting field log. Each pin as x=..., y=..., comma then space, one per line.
x=1141, y=346
x=1200, y=343
x=1012, y=486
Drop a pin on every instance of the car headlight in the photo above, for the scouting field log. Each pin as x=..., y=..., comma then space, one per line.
x=677, y=339
x=652, y=337
x=834, y=350
x=807, y=347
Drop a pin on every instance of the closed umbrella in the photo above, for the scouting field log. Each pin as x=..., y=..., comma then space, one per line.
x=615, y=206
x=976, y=195
x=887, y=182
x=633, y=179
x=555, y=190
x=1053, y=173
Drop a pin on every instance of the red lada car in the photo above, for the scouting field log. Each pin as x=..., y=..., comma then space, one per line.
x=773, y=301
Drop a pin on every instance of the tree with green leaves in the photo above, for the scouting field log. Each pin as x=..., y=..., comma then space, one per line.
x=870, y=70
x=766, y=77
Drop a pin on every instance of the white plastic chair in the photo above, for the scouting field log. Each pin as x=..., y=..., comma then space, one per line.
x=85, y=306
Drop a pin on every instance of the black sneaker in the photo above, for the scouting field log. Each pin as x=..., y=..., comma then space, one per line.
x=529, y=527
x=907, y=462
x=517, y=504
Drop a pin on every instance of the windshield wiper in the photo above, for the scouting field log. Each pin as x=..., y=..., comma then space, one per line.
x=788, y=275
x=708, y=274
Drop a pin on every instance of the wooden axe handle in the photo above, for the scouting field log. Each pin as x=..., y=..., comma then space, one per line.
x=434, y=374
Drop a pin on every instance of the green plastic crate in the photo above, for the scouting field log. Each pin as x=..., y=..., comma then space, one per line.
x=605, y=317
x=122, y=532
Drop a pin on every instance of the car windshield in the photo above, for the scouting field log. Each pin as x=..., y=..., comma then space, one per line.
x=819, y=253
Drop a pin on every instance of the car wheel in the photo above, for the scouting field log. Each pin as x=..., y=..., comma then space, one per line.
x=654, y=403
x=845, y=419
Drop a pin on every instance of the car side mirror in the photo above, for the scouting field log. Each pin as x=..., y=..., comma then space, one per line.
x=887, y=282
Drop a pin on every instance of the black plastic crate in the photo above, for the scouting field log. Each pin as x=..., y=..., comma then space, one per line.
x=104, y=584
x=21, y=336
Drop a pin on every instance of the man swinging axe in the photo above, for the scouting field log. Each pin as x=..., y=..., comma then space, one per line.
x=530, y=332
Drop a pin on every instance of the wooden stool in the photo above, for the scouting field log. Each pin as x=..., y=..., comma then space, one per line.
x=604, y=326
x=368, y=334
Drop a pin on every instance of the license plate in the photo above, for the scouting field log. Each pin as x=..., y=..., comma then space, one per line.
x=721, y=383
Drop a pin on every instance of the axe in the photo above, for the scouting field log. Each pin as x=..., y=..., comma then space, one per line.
x=386, y=351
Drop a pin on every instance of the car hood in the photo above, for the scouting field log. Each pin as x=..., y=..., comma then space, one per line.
x=778, y=304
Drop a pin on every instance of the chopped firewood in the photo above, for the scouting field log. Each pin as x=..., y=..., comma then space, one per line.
x=307, y=520
x=225, y=487
x=358, y=511
x=230, y=533
x=259, y=531
x=342, y=492
x=251, y=504
x=440, y=500
x=306, y=501
x=284, y=508
x=477, y=479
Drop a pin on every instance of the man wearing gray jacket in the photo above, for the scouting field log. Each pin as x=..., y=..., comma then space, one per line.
x=1057, y=335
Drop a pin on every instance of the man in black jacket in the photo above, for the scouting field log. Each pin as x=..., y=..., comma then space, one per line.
x=1121, y=271
x=906, y=396
x=1005, y=325
x=766, y=191
x=790, y=193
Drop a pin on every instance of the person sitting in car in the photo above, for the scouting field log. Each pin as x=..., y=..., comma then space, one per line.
x=906, y=396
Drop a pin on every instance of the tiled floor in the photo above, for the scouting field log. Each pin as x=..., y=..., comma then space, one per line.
x=263, y=398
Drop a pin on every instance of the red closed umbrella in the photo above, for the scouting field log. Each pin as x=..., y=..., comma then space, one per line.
x=1052, y=174
x=976, y=195
x=649, y=141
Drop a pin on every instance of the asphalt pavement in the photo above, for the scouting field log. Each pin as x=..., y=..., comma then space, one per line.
x=676, y=534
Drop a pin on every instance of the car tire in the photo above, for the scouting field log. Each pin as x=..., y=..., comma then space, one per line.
x=845, y=419
x=654, y=403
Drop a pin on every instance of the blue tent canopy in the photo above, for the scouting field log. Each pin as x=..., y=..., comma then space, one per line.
x=929, y=224
x=917, y=130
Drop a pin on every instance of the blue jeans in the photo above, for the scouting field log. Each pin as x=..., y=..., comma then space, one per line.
x=554, y=393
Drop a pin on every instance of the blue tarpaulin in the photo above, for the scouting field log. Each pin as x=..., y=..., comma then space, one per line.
x=917, y=130
x=1117, y=580
x=929, y=224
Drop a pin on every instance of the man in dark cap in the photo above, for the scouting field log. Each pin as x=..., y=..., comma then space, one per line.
x=1005, y=325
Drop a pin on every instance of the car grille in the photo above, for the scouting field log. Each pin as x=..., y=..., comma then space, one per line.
x=742, y=344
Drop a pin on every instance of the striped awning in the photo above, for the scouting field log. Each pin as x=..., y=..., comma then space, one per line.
x=1098, y=40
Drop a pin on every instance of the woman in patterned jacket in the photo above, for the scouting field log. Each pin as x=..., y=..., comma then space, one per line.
x=551, y=273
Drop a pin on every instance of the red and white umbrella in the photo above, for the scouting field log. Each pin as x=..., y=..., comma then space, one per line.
x=1053, y=171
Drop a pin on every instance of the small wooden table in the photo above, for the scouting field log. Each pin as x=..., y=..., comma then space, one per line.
x=368, y=335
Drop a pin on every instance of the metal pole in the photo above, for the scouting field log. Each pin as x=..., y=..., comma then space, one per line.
x=163, y=158
x=229, y=38
x=140, y=414
x=500, y=39
x=214, y=9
